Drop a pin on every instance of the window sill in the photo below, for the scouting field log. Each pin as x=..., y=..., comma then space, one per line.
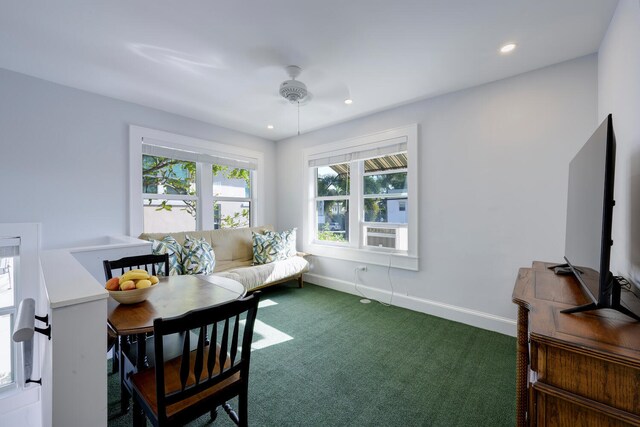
x=14, y=398
x=367, y=256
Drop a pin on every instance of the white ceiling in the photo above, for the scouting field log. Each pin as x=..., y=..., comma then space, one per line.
x=221, y=61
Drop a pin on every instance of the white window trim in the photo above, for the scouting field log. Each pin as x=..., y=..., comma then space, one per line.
x=18, y=395
x=353, y=252
x=171, y=140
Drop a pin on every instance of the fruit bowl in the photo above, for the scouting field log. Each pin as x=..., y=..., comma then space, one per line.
x=133, y=296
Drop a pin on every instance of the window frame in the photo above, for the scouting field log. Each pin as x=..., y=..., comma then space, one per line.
x=337, y=198
x=356, y=250
x=204, y=175
x=250, y=199
x=27, y=285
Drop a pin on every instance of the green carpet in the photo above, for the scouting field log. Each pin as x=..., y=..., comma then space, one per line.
x=353, y=364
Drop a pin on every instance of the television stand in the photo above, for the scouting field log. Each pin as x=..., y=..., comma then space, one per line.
x=573, y=369
x=614, y=305
x=563, y=269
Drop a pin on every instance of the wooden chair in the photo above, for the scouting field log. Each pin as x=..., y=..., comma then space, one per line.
x=199, y=381
x=150, y=263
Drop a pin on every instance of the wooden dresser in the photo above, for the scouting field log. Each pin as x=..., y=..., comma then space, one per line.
x=578, y=369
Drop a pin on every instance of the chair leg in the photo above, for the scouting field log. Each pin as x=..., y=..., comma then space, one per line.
x=242, y=408
x=115, y=366
x=232, y=414
x=214, y=414
x=138, y=415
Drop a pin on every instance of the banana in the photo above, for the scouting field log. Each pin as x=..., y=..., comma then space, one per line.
x=134, y=275
x=144, y=283
x=154, y=280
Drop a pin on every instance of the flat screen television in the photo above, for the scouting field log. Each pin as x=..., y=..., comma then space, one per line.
x=589, y=221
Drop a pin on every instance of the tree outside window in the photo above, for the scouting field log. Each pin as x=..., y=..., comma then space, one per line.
x=332, y=202
x=170, y=193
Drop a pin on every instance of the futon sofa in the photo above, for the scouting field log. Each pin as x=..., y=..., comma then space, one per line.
x=233, y=249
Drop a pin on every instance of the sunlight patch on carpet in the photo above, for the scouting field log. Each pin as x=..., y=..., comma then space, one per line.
x=265, y=336
x=266, y=303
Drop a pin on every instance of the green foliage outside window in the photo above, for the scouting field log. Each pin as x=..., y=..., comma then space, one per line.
x=237, y=219
x=328, y=235
x=375, y=209
x=173, y=176
x=179, y=177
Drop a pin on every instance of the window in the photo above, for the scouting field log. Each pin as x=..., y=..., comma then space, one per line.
x=384, y=193
x=170, y=196
x=232, y=197
x=332, y=202
x=9, y=258
x=186, y=184
x=363, y=202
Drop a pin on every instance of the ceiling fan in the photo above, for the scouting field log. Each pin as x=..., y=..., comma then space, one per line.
x=294, y=90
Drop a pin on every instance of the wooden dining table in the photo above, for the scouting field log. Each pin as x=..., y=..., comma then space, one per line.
x=172, y=296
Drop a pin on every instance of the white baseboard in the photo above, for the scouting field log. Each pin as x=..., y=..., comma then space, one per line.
x=467, y=316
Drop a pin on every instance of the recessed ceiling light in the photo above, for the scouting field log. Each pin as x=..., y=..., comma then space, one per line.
x=348, y=101
x=508, y=48
x=269, y=126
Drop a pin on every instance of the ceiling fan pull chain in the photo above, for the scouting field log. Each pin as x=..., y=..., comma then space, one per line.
x=298, y=118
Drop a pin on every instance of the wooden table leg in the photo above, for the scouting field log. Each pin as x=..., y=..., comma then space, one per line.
x=522, y=367
x=124, y=393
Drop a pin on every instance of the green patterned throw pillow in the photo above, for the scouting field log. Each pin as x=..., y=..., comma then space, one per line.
x=266, y=248
x=197, y=256
x=288, y=238
x=168, y=245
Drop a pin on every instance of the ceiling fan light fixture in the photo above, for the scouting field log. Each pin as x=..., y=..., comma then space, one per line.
x=269, y=126
x=348, y=101
x=293, y=90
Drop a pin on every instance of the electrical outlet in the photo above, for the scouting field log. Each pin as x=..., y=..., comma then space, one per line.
x=361, y=268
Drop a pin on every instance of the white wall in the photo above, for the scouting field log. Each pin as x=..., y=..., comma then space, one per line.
x=619, y=94
x=64, y=158
x=493, y=182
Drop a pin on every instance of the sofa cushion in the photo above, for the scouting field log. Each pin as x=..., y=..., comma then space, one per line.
x=197, y=256
x=288, y=238
x=168, y=245
x=268, y=248
x=229, y=245
x=261, y=275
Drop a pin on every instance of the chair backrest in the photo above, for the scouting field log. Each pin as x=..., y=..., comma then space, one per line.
x=152, y=263
x=220, y=354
